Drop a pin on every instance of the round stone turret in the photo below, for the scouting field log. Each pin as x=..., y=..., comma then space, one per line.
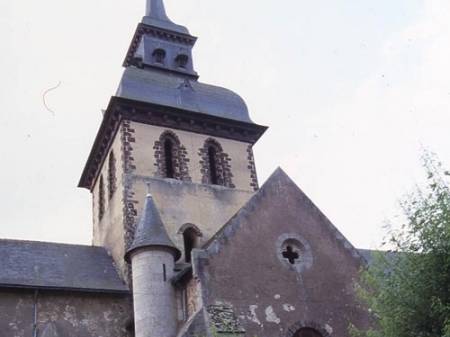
x=153, y=257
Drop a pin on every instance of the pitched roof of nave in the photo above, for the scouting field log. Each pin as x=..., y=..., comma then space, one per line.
x=32, y=264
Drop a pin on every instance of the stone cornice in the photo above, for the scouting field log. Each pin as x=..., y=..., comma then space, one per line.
x=124, y=109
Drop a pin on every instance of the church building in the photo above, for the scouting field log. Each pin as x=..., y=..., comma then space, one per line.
x=186, y=243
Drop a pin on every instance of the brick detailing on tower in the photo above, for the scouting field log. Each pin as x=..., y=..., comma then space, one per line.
x=222, y=164
x=129, y=202
x=180, y=158
x=252, y=167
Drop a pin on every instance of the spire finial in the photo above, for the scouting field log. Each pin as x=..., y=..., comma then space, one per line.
x=156, y=10
x=149, y=194
x=155, y=15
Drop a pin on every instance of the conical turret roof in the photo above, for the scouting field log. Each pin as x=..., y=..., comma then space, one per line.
x=151, y=232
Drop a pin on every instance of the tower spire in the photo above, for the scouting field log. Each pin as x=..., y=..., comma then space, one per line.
x=156, y=10
x=155, y=15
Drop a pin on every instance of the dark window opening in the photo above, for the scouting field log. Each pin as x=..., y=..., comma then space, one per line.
x=181, y=61
x=168, y=155
x=164, y=273
x=190, y=237
x=111, y=175
x=307, y=332
x=212, y=157
x=159, y=56
x=101, y=199
x=291, y=255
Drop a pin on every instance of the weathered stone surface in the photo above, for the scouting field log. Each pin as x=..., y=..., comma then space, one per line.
x=67, y=314
x=223, y=319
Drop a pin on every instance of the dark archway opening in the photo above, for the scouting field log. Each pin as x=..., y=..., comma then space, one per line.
x=190, y=237
x=168, y=155
x=181, y=61
x=307, y=332
x=159, y=55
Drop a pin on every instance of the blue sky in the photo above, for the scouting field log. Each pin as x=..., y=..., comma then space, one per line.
x=351, y=90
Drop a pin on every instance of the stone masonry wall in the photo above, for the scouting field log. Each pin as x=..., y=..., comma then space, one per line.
x=69, y=314
x=146, y=136
x=108, y=231
x=137, y=152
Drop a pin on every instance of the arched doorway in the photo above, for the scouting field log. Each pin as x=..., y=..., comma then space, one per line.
x=307, y=332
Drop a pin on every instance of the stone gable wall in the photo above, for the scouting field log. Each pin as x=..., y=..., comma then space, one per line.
x=247, y=269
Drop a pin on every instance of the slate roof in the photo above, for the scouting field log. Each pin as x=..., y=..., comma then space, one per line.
x=157, y=87
x=41, y=265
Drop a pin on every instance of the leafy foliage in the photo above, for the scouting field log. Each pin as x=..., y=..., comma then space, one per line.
x=408, y=289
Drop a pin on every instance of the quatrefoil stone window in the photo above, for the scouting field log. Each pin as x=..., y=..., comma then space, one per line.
x=294, y=252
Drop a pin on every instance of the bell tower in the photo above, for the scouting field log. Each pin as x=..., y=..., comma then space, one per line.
x=190, y=142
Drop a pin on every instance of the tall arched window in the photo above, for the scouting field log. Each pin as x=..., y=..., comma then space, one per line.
x=191, y=239
x=307, y=332
x=171, y=157
x=101, y=199
x=111, y=175
x=216, y=165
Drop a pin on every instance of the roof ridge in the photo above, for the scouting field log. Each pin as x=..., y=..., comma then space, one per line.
x=50, y=243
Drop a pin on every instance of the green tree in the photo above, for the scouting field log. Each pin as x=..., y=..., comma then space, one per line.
x=407, y=290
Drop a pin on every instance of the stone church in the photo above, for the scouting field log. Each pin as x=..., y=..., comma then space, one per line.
x=185, y=241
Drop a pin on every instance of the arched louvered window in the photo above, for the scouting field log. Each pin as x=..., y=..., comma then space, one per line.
x=171, y=157
x=216, y=165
